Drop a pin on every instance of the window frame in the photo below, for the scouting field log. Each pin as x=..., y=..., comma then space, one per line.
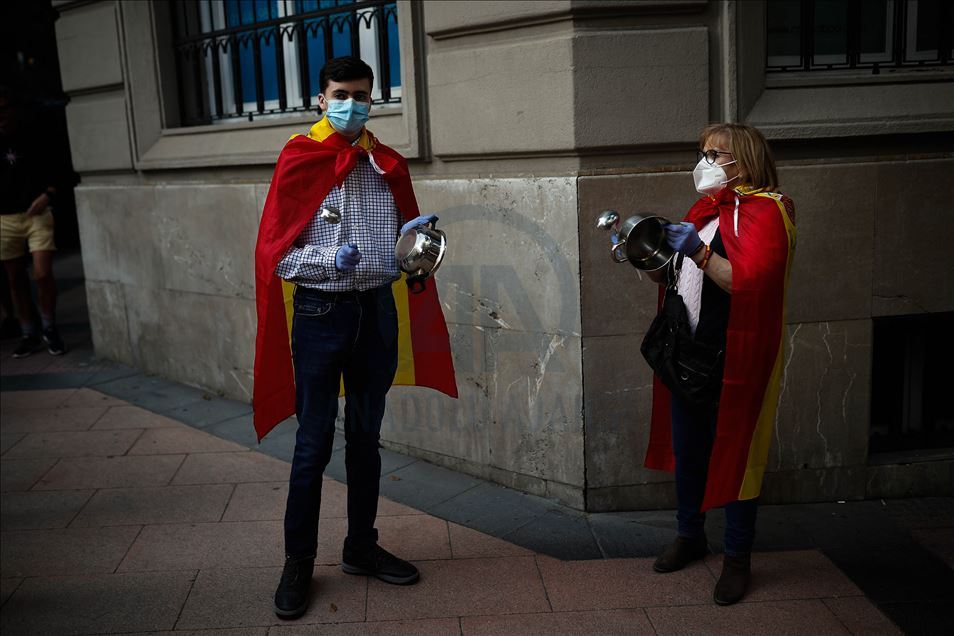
x=160, y=142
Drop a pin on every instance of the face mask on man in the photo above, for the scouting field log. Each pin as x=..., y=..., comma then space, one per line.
x=347, y=116
x=710, y=178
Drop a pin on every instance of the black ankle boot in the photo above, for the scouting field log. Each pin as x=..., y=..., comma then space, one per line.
x=292, y=596
x=681, y=553
x=734, y=581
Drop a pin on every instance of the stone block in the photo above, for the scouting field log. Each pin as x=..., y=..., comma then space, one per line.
x=626, y=621
x=925, y=479
x=824, y=401
x=151, y=505
x=832, y=274
x=442, y=18
x=108, y=323
x=99, y=132
x=110, y=472
x=66, y=552
x=653, y=70
x=811, y=616
x=219, y=468
x=914, y=201
x=35, y=510
x=87, y=41
x=22, y=474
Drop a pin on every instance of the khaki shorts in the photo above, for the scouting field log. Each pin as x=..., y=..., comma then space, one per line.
x=18, y=231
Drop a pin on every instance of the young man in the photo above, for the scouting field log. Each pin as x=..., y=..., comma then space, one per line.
x=331, y=220
x=26, y=222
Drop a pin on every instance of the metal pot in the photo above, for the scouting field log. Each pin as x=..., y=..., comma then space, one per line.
x=419, y=253
x=642, y=240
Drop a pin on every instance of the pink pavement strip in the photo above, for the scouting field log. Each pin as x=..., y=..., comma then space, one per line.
x=116, y=519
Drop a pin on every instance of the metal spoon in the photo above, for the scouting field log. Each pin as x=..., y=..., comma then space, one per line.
x=330, y=214
x=609, y=219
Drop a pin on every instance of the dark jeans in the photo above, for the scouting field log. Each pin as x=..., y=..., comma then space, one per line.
x=693, y=433
x=356, y=336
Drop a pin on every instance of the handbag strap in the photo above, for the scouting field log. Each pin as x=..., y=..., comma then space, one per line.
x=673, y=270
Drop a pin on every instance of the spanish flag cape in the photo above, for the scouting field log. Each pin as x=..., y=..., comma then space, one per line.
x=758, y=230
x=308, y=167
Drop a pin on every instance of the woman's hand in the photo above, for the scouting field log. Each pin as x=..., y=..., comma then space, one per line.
x=683, y=237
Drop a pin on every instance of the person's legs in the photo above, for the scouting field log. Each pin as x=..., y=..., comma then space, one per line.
x=46, y=288
x=322, y=336
x=691, y=444
x=367, y=381
x=23, y=304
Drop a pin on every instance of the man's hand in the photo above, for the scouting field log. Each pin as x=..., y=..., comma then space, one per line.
x=347, y=258
x=39, y=205
x=421, y=220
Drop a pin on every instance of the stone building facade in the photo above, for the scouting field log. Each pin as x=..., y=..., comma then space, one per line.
x=522, y=121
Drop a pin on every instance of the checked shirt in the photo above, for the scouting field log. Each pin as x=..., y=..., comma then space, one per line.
x=369, y=219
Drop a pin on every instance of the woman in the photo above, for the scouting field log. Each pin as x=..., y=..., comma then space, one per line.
x=737, y=241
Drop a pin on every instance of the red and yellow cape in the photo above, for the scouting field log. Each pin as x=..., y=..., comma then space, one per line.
x=761, y=255
x=308, y=167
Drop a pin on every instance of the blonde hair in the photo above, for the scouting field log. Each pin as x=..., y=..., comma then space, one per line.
x=749, y=149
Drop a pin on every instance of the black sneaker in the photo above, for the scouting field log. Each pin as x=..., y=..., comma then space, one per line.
x=28, y=344
x=292, y=596
x=380, y=563
x=53, y=341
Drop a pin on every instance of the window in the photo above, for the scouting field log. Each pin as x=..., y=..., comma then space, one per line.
x=818, y=35
x=911, y=408
x=250, y=59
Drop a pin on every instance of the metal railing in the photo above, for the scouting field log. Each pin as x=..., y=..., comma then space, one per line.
x=245, y=59
x=898, y=30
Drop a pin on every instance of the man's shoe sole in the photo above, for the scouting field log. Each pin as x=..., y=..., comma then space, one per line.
x=289, y=615
x=56, y=353
x=387, y=578
x=19, y=356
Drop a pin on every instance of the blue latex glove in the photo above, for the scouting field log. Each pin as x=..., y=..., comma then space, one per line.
x=421, y=220
x=683, y=237
x=347, y=258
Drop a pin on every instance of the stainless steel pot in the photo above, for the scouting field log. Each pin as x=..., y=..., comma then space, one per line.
x=641, y=240
x=419, y=253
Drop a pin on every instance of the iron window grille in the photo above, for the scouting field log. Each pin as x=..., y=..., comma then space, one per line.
x=249, y=59
x=820, y=35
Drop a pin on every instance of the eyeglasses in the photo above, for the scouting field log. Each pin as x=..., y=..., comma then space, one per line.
x=710, y=155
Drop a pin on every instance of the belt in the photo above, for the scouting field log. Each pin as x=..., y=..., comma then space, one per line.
x=354, y=295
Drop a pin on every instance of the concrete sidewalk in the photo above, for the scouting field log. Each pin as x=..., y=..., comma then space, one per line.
x=116, y=519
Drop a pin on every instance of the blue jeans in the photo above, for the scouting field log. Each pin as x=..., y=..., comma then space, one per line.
x=354, y=336
x=693, y=433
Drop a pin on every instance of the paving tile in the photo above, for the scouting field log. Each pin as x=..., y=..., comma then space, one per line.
x=235, y=631
x=20, y=400
x=921, y=617
x=64, y=552
x=204, y=412
x=388, y=508
x=207, y=545
x=861, y=616
x=9, y=440
x=122, y=417
x=151, y=392
x=604, y=622
x=468, y=544
x=36, y=510
x=91, y=397
x=564, y=535
x=795, y=574
x=422, y=627
x=940, y=541
x=243, y=597
x=423, y=485
x=621, y=583
x=216, y=468
x=261, y=502
x=74, y=444
x=35, y=364
x=184, y=439
x=110, y=472
x=633, y=534
x=7, y=587
x=413, y=538
x=488, y=508
x=52, y=419
x=808, y=617
x=21, y=474
x=461, y=588
x=96, y=604
x=45, y=381
x=897, y=575
x=163, y=504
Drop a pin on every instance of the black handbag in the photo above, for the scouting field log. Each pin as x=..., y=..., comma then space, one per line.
x=690, y=369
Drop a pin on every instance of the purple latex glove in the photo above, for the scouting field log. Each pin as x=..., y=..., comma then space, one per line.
x=347, y=258
x=683, y=237
x=421, y=220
